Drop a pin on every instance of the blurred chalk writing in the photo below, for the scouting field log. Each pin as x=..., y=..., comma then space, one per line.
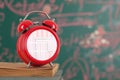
x=89, y=32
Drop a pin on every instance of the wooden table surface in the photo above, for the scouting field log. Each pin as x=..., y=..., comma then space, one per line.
x=21, y=70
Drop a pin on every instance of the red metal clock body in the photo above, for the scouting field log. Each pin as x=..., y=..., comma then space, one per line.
x=39, y=44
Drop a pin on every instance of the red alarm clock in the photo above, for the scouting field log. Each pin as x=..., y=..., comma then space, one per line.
x=38, y=44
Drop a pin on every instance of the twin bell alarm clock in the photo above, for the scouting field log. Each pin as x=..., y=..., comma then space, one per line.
x=38, y=44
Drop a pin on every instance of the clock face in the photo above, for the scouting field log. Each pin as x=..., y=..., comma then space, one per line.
x=41, y=44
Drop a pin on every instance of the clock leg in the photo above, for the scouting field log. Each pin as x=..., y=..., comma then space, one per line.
x=29, y=64
x=51, y=64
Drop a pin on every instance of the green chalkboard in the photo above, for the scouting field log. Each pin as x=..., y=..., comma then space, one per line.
x=88, y=29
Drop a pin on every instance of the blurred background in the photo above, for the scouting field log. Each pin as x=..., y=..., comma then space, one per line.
x=89, y=31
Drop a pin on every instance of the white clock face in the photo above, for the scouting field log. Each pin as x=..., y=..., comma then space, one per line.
x=41, y=44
